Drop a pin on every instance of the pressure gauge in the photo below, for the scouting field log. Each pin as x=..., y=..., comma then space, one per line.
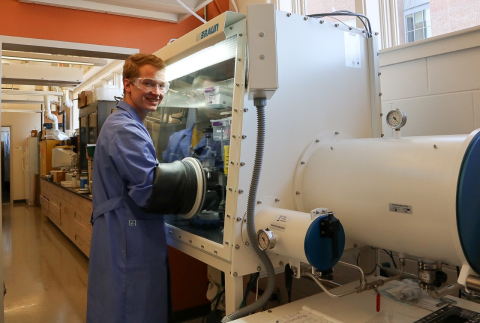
x=396, y=119
x=266, y=239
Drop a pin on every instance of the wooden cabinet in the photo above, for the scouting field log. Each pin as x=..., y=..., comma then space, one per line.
x=83, y=238
x=69, y=211
x=46, y=147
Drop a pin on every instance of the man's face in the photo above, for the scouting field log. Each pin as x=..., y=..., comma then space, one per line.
x=142, y=100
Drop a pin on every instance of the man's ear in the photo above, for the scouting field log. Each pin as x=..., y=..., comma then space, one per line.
x=127, y=85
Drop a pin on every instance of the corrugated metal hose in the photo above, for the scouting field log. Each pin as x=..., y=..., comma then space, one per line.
x=252, y=234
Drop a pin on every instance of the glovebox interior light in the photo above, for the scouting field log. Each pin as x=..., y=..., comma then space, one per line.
x=209, y=56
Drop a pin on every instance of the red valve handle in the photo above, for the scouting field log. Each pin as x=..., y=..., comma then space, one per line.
x=378, y=303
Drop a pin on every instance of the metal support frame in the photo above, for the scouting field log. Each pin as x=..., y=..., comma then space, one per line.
x=233, y=292
x=375, y=93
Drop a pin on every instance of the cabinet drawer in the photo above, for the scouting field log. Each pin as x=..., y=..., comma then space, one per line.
x=87, y=207
x=78, y=201
x=68, y=209
x=69, y=197
x=84, y=205
x=54, y=213
x=83, y=245
x=82, y=232
x=67, y=220
x=84, y=219
x=44, y=203
x=45, y=189
x=82, y=238
x=61, y=193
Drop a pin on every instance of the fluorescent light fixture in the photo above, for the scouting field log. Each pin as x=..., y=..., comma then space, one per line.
x=209, y=56
x=45, y=60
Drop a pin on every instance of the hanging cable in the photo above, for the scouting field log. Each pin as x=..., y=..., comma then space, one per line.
x=362, y=18
x=390, y=254
x=191, y=11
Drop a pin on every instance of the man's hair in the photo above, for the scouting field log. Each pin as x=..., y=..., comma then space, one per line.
x=131, y=69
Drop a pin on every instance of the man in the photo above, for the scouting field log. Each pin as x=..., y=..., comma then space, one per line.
x=128, y=269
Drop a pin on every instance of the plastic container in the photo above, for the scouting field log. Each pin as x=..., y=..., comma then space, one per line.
x=221, y=129
x=74, y=180
x=107, y=93
x=84, y=181
x=66, y=183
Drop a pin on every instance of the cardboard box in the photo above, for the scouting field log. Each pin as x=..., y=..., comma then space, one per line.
x=46, y=147
x=58, y=176
x=85, y=98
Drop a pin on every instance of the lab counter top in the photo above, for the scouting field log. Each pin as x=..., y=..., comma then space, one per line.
x=353, y=308
x=87, y=196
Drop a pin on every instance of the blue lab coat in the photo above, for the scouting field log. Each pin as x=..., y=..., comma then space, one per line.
x=180, y=143
x=128, y=268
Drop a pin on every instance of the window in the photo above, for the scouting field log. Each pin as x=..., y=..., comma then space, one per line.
x=417, y=26
x=420, y=19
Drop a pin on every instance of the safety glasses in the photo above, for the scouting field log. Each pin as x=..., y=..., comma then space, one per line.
x=150, y=84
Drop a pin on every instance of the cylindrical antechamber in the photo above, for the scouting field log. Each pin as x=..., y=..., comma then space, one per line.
x=298, y=236
x=418, y=195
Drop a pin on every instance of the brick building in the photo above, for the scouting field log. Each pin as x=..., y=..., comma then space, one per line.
x=452, y=15
x=419, y=19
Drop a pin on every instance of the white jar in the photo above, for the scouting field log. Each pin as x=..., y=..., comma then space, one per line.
x=74, y=180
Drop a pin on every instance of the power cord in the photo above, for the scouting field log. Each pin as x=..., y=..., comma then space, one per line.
x=391, y=257
x=288, y=281
x=251, y=283
x=364, y=19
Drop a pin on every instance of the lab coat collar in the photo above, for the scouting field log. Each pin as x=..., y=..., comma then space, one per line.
x=131, y=110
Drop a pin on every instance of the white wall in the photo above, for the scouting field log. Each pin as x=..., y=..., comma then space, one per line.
x=21, y=124
x=436, y=82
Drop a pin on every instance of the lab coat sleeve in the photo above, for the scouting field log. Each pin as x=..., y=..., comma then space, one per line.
x=133, y=154
x=166, y=153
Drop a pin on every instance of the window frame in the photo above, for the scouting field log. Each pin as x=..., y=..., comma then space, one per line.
x=425, y=24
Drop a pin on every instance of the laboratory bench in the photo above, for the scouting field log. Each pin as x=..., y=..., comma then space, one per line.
x=69, y=210
x=361, y=308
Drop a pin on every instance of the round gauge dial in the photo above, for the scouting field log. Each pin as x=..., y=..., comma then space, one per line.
x=396, y=119
x=266, y=239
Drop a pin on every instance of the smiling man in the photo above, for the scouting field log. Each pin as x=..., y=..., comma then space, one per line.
x=128, y=268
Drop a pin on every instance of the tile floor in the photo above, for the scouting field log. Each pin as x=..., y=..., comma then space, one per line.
x=45, y=273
